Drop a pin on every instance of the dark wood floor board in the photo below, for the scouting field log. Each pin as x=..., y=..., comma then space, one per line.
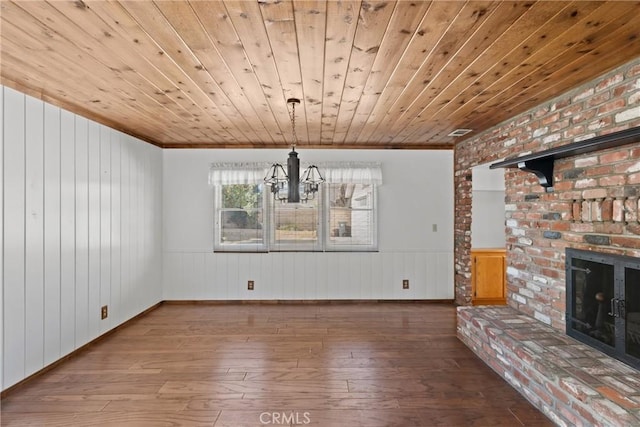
x=347, y=364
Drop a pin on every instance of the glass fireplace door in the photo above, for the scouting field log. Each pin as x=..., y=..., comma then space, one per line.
x=603, y=302
x=593, y=289
x=632, y=311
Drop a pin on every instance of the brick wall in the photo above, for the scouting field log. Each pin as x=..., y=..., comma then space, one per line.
x=594, y=203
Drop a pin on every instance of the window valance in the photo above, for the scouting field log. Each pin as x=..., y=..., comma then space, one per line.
x=237, y=173
x=333, y=172
x=351, y=172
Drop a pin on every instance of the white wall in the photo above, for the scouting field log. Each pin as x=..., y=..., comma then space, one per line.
x=417, y=193
x=2, y=323
x=82, y=228
x=487, y=208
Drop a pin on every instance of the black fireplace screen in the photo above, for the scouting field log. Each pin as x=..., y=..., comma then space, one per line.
x=603, y=302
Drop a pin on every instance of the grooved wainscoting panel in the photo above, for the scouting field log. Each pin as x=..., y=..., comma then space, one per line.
x=307, y=275
x=82, y=228
x=2, y=356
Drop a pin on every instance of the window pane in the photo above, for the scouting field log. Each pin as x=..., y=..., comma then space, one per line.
x=240, y=218
x=351, y=219
x=350, y=227
x=242, y=196
x=351, y=196
x=295, y=226
x=239, y=226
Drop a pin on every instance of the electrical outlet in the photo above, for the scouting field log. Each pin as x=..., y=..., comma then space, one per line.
x=104, y=312
x=250, y=285
x=405, y=284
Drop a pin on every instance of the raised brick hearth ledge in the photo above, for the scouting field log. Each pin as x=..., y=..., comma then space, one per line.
x=573, y=384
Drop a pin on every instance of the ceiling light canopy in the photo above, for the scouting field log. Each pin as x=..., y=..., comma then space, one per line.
x=290, y=186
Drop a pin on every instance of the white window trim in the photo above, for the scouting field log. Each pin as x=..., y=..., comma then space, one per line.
x=334, y=247
x=297, y=247
x=334, y=172
x=219, y=246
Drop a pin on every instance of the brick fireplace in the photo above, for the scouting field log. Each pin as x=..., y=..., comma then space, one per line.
x=594, y=204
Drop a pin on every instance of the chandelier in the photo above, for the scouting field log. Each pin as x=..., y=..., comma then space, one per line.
x=290, y=186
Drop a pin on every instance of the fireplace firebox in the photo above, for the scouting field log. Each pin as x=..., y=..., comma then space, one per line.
x=603, y=303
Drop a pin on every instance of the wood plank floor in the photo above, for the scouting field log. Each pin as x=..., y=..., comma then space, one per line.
x=386, y=364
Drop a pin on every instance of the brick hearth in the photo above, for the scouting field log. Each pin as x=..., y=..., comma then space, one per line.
x=573, y=384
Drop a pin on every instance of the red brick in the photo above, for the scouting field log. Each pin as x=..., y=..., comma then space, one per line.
x=596, y=100
x=631, y=210
x=618, y=398
x=573, y=132
x=609, y=181
x=581, y=227
x=614, y=105
x=634, y=71
x=599, y=170
x=613, y=413
x=576, y=212
x=583, y=116
x=601, y=123
x=607, y=210
x=562, y=185
x=595, y=193
x=559, y=125
x=614, y=157
x=585, y=412
x=625, y=242
x=583, y=95
x=585, y=183
x=542, y=111
x=586, y=161
x=559, y=226
x=550, y=119
x=608, y=82
x=608, y=228
x=560, y=104
x=628, y=167
x=622, y=90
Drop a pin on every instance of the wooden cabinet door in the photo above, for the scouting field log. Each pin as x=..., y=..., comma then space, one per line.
x=488, y=276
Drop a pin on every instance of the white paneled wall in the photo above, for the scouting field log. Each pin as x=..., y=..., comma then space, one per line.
x=2, y=356
x=82, y=228
x=307, y=275
x=415, y=214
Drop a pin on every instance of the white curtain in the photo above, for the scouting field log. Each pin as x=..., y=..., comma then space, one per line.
x=237, y=173
x=333, y=172
x=351, y=172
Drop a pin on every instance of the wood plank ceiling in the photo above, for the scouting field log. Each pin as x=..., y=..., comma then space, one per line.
x=370, y=74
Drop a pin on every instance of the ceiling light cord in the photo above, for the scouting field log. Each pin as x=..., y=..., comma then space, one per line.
x=292, y=116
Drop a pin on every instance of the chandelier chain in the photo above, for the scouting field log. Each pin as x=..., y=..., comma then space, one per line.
x=293, y=124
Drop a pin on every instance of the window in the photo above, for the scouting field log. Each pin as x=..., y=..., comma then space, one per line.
x=342, y=216
x=240, y=218
x=351, y=217
x=295, y=226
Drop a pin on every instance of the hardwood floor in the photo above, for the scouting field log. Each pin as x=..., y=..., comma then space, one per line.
x=385, y=364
